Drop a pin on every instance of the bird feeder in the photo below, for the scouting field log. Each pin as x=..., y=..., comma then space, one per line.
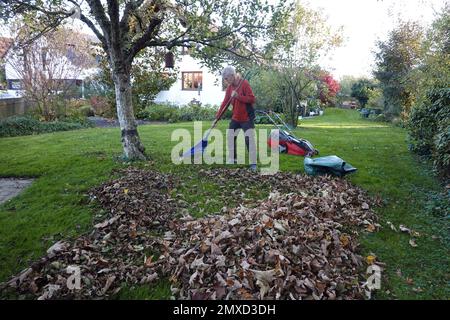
x=169, y=59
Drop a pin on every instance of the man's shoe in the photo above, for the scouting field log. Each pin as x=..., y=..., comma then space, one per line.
x=253, y=167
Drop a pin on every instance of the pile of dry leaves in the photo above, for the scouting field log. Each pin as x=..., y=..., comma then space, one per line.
x=137, y=203
x=299, y=243
x=290, y=246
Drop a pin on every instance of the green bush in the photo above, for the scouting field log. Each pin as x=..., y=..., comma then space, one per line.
x=26, y=125
x=170, y=113
x=429, y=129
x=197, y=112
x=159, y=112
x=87, y=111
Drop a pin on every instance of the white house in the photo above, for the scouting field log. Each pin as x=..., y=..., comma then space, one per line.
x=193, y=82
x=58, y=64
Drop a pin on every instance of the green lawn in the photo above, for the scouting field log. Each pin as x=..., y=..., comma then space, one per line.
x=67, y=164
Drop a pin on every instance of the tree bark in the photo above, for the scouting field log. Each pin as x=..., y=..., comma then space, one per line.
x=132, y=146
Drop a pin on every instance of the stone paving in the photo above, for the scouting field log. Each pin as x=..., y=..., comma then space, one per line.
x=11, y=187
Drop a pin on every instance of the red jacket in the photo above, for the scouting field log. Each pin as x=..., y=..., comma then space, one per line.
x=245, y=96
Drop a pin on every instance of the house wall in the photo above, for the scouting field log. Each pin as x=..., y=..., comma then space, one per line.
x=211, y=92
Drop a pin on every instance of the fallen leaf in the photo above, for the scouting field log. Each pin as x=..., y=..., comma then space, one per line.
x=392, y=226
x=108, y=284
x=412, y=243
x=370, y=259
x=404, y=229
x=345, y=240
x=148, y=261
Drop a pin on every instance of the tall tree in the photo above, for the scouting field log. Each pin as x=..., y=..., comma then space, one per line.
x=396, y=61
x=216, y=30
x=302, y=38
x=435, y=70
x=360, y=90
x=346, y=83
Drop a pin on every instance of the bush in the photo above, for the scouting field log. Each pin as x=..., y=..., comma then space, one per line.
x=159, y=112
x=87, y=111
x=194, y=111
x=26, y=125
x=429, y=129
x=103, y=106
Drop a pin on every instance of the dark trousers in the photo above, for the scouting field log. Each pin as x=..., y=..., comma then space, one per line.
x=235, y=126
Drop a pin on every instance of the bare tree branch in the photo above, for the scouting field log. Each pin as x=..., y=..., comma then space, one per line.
x=91, y=25
x=99, y=13
x=143, y=41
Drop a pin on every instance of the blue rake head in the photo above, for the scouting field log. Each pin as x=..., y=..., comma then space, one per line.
x=198, y=148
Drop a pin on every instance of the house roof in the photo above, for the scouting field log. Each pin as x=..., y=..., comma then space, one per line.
x=5, y=44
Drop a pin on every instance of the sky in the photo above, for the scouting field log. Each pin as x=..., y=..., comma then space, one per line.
x=365, y=22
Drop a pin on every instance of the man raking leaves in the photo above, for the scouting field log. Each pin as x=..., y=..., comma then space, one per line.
x=240, y=95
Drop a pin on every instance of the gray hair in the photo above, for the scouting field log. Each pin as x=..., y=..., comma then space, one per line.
x=228, y=71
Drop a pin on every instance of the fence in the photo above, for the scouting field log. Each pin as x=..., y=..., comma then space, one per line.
x=13, y=106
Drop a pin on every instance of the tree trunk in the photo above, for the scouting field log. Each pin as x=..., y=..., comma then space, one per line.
x=132, y=146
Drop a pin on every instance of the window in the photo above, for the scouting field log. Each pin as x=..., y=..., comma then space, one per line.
x=14, y=85
x=192, y=81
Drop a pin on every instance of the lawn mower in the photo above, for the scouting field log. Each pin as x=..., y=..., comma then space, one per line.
x=288, y=142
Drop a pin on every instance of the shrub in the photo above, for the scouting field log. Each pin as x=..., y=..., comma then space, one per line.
x=87, y=111
x=159, y=112
x=429, y=129
x=103, y=106
x=196, y=112
x=192, y=112
x=26, y=125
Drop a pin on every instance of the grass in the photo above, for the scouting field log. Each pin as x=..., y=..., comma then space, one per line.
x=68, y=164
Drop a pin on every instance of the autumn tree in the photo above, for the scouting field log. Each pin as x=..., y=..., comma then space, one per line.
x=215, y=30
x=328, y=89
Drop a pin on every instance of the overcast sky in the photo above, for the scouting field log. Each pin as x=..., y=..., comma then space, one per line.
x=365, y=22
